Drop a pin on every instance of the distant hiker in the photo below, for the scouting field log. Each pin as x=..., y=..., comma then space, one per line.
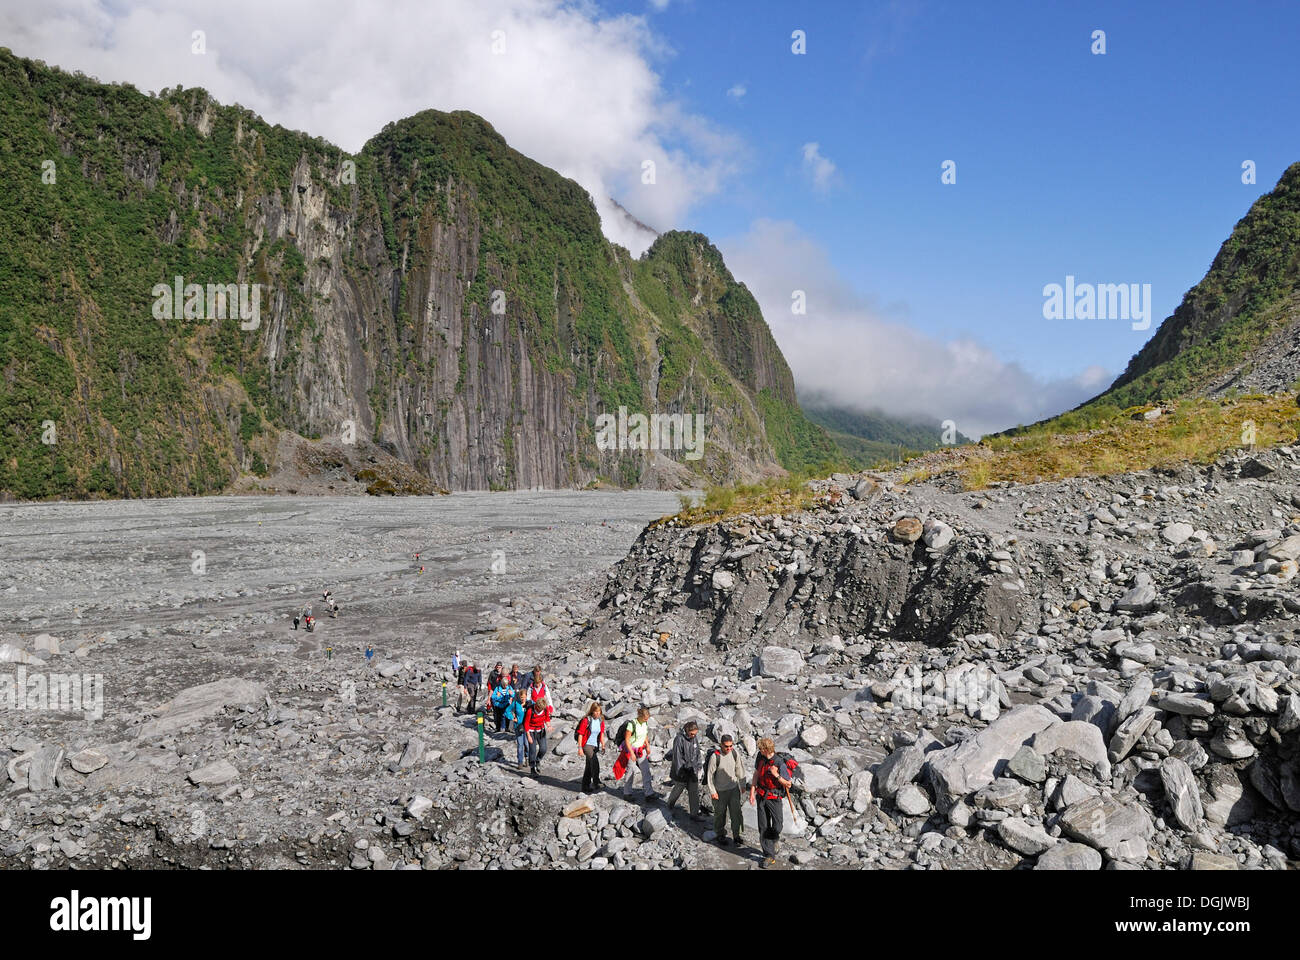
x=634, y=751
x=330, y=605
x=537, y=724
x=303, y=616
x=455, y=665
x=515, y=717
x=685, y=769
x=724, y=778
x=473, y=680
x=771, y=788
x=500, y=695
x=537, y=686
x=591, y=738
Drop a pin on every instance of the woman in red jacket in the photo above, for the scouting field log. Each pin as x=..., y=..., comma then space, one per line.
x=591, y=738
x=537, y=724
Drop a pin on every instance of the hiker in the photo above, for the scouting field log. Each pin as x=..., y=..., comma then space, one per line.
x=455, y=663
x=537, y=724
x=500, y=696
x=772, y=789
x=305, y=615
x=537, y=686
x=515, y=678
x=685, y=769
x=515, y=718
x=634, y=752
x=494, y=676
x=328, y=597
x=461, y=693
x=591, y=737
x=724, y=778
x=473, y=680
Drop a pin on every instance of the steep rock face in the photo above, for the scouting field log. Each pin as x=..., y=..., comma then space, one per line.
x=1240, y=326
x=438, y=294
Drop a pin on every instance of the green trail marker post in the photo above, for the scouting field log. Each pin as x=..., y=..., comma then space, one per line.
x=444, y=694
x=480, y=739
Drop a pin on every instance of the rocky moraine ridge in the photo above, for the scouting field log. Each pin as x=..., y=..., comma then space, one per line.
x=1085, y=674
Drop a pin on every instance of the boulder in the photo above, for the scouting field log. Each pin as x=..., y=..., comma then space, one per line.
x=1024, y=837
x=912, y=801
x=817, y=778
x=214, y=774
x=1185, y=704
x=1182, y=793
x=907, y=530
x=44, y=768
x=1069, y=856
x=1128, y=733
x=778, y=662
x=195, y=704
x=1105, y=823
x=1079, y=737
x=966, y=767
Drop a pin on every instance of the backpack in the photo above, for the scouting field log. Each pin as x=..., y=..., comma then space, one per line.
x=621, y=737
x=787, y=765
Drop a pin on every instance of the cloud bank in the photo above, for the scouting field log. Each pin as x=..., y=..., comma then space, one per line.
x=845, y=349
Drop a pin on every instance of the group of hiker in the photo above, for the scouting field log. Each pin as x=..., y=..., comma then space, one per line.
x=521, y=704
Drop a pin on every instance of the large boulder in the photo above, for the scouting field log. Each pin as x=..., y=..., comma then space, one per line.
x=1069, y=856
x=195, y=704
x=1079, y=737
x=780, y=662
x=1182, y=793
x=962, y=769
x=1107, y=824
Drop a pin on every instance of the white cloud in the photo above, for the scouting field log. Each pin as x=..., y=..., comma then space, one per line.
x=820, y=170
x=737, y=91
x=573, y=88
x=844, y=347
x=660, y=5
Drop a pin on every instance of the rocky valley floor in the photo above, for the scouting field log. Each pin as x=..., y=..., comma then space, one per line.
x=1083, y=674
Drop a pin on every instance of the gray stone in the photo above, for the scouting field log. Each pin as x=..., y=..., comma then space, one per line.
x=1028, y=765
x=1105, y=823
x=654, y=822
x=1069, y=791
x=1079, y=737
x=1139, y=599
x=1069, y=856
x=817, y=778
x=1204, y=860
x=44, y=768
x=912, y=800
x=1185, y=704
x=1129, y=732
x=1138, y=696
x=214, y=774
x=88, y=760
x=899, y=768
x=813, y=735
x=1182, y=793
x=966, y=767
x=418, y=807
x=195, y=704
x=1024, y=837
x=778, y=662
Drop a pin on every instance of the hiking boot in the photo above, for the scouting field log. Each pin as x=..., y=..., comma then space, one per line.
x=723, y=841
x=767, y=863
x=740, y=840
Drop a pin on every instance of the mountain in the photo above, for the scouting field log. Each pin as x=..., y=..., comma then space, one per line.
x=869, y=439
x=438, y=300
x=1239, y=328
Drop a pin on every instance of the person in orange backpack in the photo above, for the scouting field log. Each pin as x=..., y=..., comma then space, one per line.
x=771, y=788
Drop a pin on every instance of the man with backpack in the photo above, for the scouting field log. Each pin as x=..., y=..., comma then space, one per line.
x=724, y=777
x=515, y=721
x=633, y=739
x=461, y=670
x=685, y=769
x=772, y=779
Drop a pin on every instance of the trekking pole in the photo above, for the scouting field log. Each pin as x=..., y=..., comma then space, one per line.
x=791, y=802
x=480, y=739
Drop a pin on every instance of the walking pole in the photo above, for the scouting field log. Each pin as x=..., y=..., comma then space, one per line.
x=480, y=739
x=791, y=802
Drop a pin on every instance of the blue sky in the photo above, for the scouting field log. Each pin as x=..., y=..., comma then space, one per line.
x=1122, y=167
x=923, y=298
